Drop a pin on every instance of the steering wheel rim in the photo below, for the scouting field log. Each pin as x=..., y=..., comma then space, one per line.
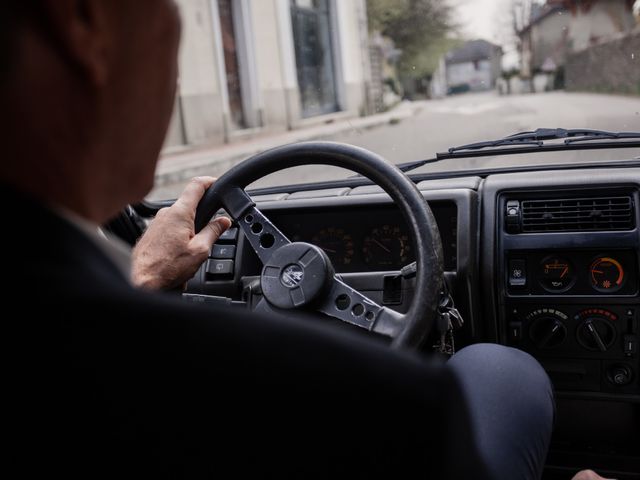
x=406, y=330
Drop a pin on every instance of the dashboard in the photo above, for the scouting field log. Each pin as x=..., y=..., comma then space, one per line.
x=546, y=262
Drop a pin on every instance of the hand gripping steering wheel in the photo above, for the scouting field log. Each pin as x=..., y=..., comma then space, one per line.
x=300, y=275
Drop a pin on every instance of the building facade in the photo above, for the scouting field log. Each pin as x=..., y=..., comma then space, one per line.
x=561, y=27
x=473, y=67
x=248, y=66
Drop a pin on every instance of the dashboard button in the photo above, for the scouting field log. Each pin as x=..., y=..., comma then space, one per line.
x=630, y=345
x=515, y=331
x=517, y=273
x=229, y=235
x=223, y=251
x=513, y=216
x=220, y=267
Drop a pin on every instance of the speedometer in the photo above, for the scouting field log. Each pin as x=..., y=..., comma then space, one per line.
x=336, y=243
x=386, y=246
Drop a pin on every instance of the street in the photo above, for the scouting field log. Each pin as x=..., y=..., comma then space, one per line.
x=454, y=121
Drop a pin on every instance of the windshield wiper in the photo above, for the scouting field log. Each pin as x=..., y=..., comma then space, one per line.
x=603, y=136
x=540, y=140
x=541, y=135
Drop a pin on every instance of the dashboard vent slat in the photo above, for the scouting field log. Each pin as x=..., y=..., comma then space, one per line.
x=578, y=214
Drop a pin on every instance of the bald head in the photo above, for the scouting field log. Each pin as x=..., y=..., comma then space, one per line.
x=86, y=90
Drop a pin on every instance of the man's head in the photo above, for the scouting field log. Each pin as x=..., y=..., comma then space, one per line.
x=86, y=94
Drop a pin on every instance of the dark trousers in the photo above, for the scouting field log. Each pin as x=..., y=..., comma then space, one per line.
x=512, y=408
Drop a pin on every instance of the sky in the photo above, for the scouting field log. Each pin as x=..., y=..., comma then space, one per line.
x=489, y=20
x=478, y=17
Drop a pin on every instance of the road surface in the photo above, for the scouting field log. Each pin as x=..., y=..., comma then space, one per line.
x=463, y=119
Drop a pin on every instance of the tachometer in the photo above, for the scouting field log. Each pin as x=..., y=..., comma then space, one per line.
x=607, y=275
x=337, y=244
x=387, y=247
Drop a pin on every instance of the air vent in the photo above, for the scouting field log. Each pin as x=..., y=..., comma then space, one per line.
x=577, y=214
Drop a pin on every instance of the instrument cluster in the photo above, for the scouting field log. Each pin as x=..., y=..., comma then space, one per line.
x=366, y=239
x=384, y=247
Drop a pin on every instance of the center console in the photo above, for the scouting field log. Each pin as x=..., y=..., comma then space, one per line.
x=567, y=265
x=560, y=272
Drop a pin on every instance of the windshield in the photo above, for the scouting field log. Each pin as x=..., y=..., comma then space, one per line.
x=403, y=78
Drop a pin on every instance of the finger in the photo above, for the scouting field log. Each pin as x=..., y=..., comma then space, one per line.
x=209, y=234
x=588, y=475
x=193, y=192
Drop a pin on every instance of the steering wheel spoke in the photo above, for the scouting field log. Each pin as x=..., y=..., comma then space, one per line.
x=264, y=236
x=351, y=306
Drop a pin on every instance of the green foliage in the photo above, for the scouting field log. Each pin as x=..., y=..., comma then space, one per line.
x=418, y=27
x=511, y=73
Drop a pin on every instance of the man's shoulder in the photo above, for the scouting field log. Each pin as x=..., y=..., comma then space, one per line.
x=45, y=252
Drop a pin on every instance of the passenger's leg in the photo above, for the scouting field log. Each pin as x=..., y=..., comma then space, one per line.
x=511, y=404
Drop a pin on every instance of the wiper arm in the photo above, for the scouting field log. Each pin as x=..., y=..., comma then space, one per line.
x=408, y=166
x=539, y=136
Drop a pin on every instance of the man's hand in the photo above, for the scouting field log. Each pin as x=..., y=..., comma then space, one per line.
x=588, y=475
x=170, y=252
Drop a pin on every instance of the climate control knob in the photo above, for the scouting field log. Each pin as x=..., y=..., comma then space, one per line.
x=596, y=334
x=547, y=331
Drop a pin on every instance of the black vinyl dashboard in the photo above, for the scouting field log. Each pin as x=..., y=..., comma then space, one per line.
x=554, y=258
x=544, y=261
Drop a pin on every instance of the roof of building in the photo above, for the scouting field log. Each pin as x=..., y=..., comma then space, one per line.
x=473, y=51
x=540, y=12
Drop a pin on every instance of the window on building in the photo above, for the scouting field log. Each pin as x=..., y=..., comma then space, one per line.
x=312, y=33
x=232, y=67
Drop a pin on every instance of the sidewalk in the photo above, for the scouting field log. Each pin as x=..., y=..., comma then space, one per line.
x=176, y=167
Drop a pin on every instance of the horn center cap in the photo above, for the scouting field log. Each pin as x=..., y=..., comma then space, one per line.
x=292, y=276
x=297, y=274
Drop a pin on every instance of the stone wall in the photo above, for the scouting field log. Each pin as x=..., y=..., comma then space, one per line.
x=612, y=67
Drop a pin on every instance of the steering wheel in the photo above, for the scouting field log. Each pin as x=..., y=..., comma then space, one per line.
x=300, y=275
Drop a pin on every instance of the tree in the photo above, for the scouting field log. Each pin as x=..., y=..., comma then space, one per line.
x=419, y=28
x=521, y=14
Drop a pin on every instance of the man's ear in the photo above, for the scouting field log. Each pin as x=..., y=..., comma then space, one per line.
x=82, y=31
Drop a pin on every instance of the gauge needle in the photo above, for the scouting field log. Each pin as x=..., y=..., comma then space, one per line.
x=564, y=272
x=596, y=271
x=328, y=250
x=381, y=246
